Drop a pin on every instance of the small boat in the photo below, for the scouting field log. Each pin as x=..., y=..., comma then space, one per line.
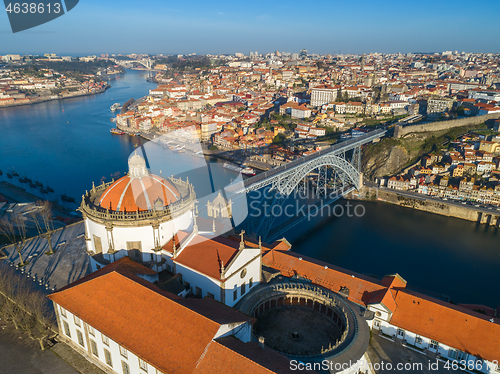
x=67, y=198
x=24, y=180
x=1, y=172
x=15, y=174
x=232, y=167
x=38, y=184
x=43, y=190
x=50, y=189
x=32, y=185
x=116, y=131
x=248, y=171
x=115, y=106
x=9, y=176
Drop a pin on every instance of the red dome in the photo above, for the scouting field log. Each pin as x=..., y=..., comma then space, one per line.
x=143, y=193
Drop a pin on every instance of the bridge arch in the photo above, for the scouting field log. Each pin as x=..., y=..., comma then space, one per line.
x=287, y=184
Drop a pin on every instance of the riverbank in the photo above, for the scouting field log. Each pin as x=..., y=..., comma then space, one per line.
x=68, y=96
x=488, y=216
x=16, y=194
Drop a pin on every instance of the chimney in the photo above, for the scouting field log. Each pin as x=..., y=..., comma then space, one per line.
x=261, y=342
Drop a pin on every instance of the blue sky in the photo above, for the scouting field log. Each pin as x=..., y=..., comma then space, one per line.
x=328, y=26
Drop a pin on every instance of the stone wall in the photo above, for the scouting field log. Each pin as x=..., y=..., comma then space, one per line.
x=440, y=207
x=401, y=131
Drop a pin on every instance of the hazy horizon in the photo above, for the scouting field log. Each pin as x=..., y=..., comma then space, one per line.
x=223, y=27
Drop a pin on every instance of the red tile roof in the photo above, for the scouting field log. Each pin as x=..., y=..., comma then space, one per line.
x=161, y=328
x=132, y=194
x=455, y=326
x=361, y=288
x=245, y=358
x=207, y=256
x=449, y=324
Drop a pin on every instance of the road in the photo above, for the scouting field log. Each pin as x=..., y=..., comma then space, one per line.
x=392, y=357
x=21, y=356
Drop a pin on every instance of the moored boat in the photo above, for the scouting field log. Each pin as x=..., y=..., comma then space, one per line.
x=9, y=176
x=228, y=165
x=49, y=189
x=248, y=171
x=115, y=106
x=67, y=198
x=116, y=131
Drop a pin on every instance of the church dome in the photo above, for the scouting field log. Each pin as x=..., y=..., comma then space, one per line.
x=139, y=190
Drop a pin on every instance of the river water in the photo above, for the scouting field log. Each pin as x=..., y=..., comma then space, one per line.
x=67, y=145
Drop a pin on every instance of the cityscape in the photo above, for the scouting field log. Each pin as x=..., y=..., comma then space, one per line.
x=298, y=206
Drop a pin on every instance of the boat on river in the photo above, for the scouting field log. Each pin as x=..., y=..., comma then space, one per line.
x=116, y=131
x=67, y=198
x=248, y=171
x=115, y=106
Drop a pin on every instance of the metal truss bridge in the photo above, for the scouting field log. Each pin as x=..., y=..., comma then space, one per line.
x=330, y=174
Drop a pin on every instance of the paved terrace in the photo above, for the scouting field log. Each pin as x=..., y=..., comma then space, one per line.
x=69, y=263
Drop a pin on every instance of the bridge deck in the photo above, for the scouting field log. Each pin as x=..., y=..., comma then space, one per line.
x=343, y=146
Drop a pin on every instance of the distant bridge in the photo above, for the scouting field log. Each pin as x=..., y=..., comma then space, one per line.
x=336, y=169
x=146, y=62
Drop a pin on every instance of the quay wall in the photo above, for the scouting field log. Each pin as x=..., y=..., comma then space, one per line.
x=66, y=96
x=401, y=131
x=425, y=204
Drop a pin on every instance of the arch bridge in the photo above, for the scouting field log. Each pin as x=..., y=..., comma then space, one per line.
x=330, y=174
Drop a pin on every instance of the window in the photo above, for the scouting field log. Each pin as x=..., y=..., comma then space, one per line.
x=80, y=338
x=143, y=365
x=123, y=352
x=93, y=347
x=250, y=283
x=107, y=356
x=210, y=295
x=187, y=285
x=243, y=289
x=77, y=320
x=66, y=329
x=243, y=273
x=105, y=339
x=125, y=367
x=376, y=324
x=458, y=355
x=433, y=344
x=63, y=312
x=235, y=295
x=418, y=340
x=91, y=331
x=401, y=332
x=498, y=368
x=198, y=291
x=97, y=244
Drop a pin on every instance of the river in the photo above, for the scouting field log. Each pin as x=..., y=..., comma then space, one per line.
x=67, y=145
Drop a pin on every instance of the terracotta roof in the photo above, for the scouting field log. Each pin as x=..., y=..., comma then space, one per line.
x=138, y=315
x=241, y=358
x=132, y=194
x=207, y=256
x=449, y=324
x=361, y=288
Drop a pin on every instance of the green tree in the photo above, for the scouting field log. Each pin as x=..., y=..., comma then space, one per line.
x=279, y=138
